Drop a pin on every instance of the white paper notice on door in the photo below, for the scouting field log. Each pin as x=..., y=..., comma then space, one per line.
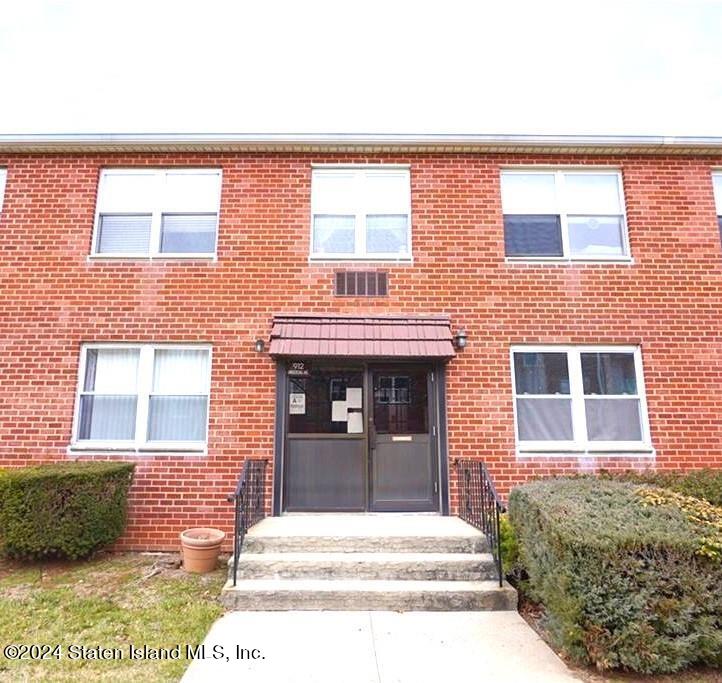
x=355, y=423
x=297, y=404
x=339, y=411
x=354, y=397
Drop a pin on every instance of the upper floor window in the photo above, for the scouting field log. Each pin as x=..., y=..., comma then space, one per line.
x=143, y=397
x=155, y=212
x=3, y=176
x=575, y=215
x=579, y=399
x=717, y=182
x=362, y=213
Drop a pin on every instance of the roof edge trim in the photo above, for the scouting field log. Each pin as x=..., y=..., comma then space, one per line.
x=610, y=144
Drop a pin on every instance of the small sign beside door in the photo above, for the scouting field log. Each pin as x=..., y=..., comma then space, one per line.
x=297, y=404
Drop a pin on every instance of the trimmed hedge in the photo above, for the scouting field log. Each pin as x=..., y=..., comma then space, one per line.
x=705, y=483
x=66, y=510
x=622, y=572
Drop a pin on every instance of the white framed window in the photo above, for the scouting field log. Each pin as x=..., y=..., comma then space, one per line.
x=142, y=397
x=717, y=186
x=575, y=215
x=579, y=399
x=157, y=213
x=3, y=179
x=361, y=213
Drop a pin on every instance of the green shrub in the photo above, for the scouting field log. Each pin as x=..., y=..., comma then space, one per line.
x=509, y=546
x=705, y=484
x=66, y=510
x=621, y=576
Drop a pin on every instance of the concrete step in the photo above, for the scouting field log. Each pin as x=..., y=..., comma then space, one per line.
x=368, y=595
x=387, y=533
x=393, y=566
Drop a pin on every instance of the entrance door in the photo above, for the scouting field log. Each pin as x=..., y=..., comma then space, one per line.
x=359, y=438
x=403, y=471
x=325, y=458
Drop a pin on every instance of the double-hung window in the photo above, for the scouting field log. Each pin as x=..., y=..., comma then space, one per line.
x=717, y=184
x=143, y=397
x=579, y=399
x=361, y=213
x=572, y=215
x=155, y=212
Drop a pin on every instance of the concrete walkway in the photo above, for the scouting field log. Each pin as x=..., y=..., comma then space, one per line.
x=376, y=647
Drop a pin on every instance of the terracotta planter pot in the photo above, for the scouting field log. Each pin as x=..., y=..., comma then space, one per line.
x=201, y=548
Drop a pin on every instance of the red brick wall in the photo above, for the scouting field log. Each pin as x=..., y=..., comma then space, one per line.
x=55, y=298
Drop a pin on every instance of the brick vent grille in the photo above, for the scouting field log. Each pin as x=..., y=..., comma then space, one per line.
x=361, y=283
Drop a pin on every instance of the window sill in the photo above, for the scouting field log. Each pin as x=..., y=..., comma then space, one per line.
x=554, y=260
x=401, y=260
x=100, y=449
x=153, y=257
x=637, y=452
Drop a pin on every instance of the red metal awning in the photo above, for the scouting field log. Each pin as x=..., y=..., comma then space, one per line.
x=362, y=337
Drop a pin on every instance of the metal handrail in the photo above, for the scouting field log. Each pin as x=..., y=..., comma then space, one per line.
x=249, y=499
x=481, y=506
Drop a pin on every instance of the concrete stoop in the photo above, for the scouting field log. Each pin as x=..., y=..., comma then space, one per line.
x=366, y=562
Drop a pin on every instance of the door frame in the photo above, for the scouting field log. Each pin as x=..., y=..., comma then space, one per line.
x=437, y=416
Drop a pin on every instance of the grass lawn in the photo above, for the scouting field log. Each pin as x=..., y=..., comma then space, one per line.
x=112, y=601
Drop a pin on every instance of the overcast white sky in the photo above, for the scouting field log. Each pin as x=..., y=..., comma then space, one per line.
x=361, y=66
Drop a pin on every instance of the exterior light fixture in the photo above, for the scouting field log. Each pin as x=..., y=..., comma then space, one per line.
x=260, y=346
x=460, y=338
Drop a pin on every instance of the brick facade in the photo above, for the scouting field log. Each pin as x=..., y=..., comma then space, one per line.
x=55, y=298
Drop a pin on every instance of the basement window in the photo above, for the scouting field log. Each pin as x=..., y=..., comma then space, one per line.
x=564, y=215
x=161, y=213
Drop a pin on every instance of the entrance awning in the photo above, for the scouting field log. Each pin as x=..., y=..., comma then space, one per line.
x=362, y=337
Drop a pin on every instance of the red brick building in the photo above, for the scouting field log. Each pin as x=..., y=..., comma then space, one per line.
x=359, y=311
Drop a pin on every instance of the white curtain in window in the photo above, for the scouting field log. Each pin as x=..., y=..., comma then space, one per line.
x=178, y=406
x=544, y=419
x=112, y=371
x=387, y=234
x=180, y=371
x=334, y=234
x=107, y=418
x=109, y=413
x=613, y=419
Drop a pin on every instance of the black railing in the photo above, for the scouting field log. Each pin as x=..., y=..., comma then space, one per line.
x=249, y=499
x=481, y=506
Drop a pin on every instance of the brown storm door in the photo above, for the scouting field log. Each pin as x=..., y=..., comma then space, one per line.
x=403, y=471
